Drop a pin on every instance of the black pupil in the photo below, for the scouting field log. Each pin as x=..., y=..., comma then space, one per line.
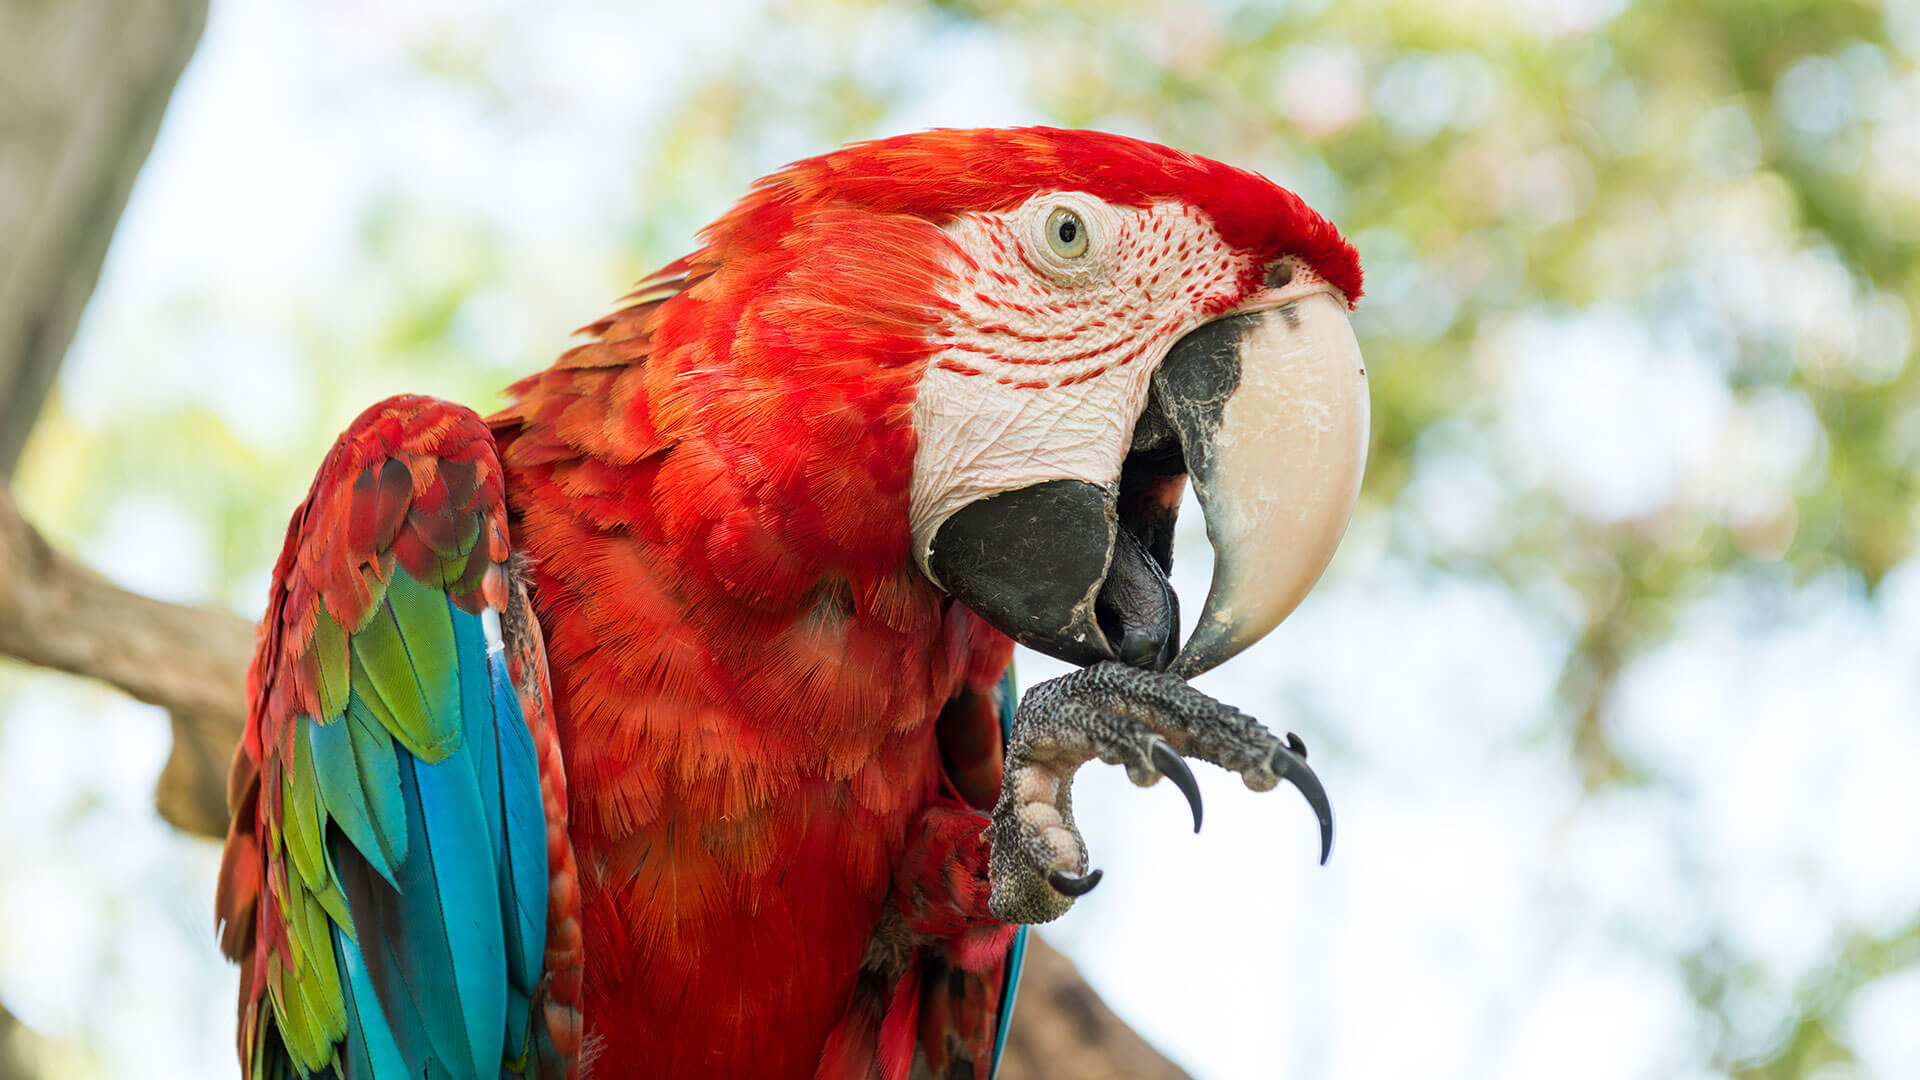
x=1069, y=228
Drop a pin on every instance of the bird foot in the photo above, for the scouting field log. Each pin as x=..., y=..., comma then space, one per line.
x=1147, y=721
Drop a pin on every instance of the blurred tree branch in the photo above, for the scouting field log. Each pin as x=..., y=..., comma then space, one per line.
x=11, y=1065
x=1063, y=1031
x=86, y=82
x=57, y=613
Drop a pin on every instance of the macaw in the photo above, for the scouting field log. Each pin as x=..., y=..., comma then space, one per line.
x=660, y=724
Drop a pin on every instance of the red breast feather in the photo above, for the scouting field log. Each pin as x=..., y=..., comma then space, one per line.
x=746, y=666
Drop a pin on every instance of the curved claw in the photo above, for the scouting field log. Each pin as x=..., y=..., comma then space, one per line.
x=1174, y=768
x=1069, y=885
x=1293, y=766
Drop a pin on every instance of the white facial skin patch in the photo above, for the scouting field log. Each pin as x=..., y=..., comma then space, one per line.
x=1042, y=369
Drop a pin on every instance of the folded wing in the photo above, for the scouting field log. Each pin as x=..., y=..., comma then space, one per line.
x=386, y=881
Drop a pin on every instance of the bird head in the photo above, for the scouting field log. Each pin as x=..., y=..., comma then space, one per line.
x=1081, y=323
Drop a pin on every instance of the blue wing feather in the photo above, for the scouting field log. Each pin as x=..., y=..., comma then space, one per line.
x=507, y=773
x=464, y=895
x=371, y=1049
x=523, y=848
x=452, y=933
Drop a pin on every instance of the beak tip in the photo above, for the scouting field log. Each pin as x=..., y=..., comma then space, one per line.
x=1213, y=643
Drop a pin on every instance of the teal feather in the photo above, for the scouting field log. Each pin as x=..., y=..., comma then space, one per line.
x=375, y=758
x=371, y=1050
x=338, y=775
x=379, y=964
x=524, y=872
x=475, y=682
x=507, y=772
x=518, y=1005
x=465, y=898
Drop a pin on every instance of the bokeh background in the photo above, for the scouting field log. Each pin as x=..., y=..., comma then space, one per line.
x=1613, y=681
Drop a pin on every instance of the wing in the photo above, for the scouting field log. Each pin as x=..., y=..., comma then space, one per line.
x=389, y=870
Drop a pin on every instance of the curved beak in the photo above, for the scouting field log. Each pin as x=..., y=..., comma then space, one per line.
x=1271, y=411
x=1266, y=412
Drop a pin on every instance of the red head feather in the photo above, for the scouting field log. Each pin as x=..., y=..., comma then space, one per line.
x=941, y=174
x=783, y=356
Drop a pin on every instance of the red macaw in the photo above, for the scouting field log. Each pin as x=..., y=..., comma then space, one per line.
x=657, y=726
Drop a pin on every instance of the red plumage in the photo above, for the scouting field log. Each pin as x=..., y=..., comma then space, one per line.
x=748, y=666
x=778, y=736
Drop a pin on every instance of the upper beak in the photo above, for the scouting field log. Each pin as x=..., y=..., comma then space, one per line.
x=1271, y=411
x=1266, y=410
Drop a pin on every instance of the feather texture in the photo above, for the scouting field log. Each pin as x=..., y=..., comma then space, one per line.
x=389, y=896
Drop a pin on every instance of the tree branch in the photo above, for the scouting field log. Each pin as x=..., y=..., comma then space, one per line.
x=56, y=613
x=1063, y=1031
x=85, y=82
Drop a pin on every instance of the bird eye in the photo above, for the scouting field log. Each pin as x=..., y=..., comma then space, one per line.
x=1066, y=234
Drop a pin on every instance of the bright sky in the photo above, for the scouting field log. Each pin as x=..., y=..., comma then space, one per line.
x=1479, y=920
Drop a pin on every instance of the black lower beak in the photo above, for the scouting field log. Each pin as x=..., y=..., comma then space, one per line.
x=1055, y=567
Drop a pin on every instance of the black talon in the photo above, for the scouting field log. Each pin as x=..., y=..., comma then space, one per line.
x=1175, y=769
x=1293, y=766
x=1069, y=885
x=1297, y=745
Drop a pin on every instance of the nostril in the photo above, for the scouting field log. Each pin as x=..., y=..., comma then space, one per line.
x=1280, y=275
